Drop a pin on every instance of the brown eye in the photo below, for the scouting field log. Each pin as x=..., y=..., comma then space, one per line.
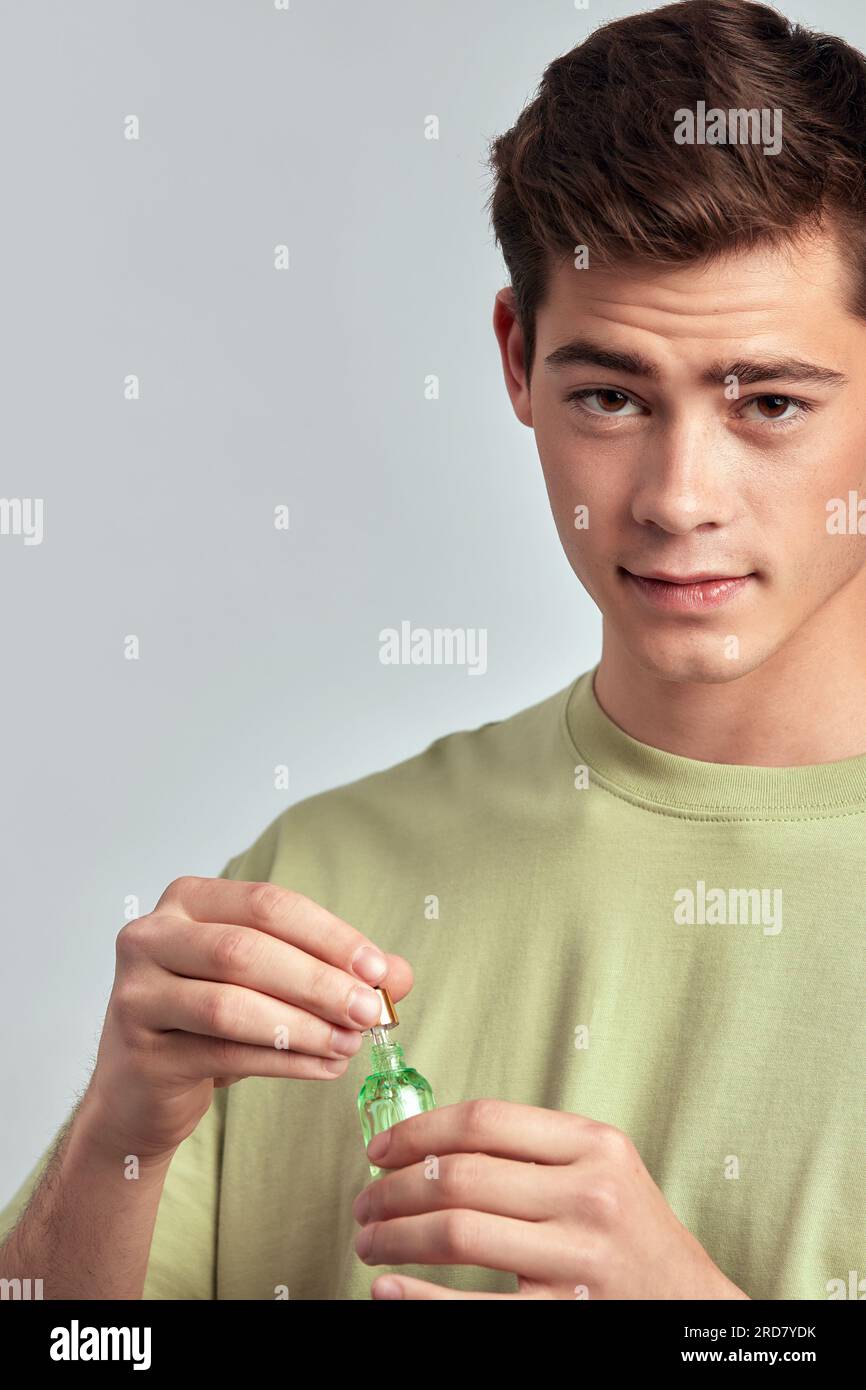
x=603, y=400
x=776, y=406
x=611, y=401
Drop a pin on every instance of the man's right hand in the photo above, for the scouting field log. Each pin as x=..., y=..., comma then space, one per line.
x=223, y=980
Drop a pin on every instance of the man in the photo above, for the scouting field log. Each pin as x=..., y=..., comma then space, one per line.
x=633, y=910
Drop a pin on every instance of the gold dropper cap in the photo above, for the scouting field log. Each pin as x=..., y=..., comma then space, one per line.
x=388, y=1014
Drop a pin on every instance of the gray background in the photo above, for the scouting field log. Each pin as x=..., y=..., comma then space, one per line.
x=306, y=386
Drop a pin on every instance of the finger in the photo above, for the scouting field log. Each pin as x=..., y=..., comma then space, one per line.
x=499, y=1127
x=290, y=916
x=502, y=1186
x=229, y=954
x=197, y=1058
x=403, y=1286
x=461, y=1237
x=241, y=1015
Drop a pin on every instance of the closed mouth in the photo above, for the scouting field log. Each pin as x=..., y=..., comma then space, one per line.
x=704, y=577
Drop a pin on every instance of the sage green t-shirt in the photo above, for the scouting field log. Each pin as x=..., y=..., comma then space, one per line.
x=669, y=945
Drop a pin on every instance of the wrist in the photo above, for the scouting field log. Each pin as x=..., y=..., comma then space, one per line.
x=95, y=1134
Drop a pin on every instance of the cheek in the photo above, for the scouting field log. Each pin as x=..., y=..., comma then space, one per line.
x=587, y=521
x=833, y=561
x=841, y=451
x=806, y=516
x=589, y=498
x=809, y=563
x=579, y=469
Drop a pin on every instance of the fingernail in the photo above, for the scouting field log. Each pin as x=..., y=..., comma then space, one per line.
x=337, y=1065
x=363, y=1242
x=378, y=1146
x=361, y=1206
x=364, y=1006
x=369, y=963
x=345, y=1040
x=387, y=1288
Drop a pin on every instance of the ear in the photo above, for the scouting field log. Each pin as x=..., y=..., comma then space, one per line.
x=509, y=336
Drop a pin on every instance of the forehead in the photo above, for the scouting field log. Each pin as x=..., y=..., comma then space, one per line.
x=789, y=297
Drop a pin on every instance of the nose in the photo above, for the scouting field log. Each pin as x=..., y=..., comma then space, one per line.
x=682, y=481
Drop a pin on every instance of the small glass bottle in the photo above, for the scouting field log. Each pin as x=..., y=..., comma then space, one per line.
x=392, y=1091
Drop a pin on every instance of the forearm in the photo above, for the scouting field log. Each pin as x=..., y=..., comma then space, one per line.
x=87, y=1230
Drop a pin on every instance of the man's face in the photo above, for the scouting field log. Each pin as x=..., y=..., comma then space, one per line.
x=721, y=463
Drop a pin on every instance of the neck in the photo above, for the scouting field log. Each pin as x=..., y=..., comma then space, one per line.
x=803, y=705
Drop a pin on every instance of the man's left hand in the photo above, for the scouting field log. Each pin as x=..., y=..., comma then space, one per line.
x=560, y=1200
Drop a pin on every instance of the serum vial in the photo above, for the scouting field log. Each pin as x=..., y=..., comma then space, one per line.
x=392, y=1091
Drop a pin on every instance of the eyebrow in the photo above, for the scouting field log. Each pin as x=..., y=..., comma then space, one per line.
x=582, y=352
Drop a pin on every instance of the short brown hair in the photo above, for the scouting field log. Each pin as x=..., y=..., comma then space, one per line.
x=592, y=159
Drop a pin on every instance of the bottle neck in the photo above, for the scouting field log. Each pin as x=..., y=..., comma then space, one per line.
x=385, y=1055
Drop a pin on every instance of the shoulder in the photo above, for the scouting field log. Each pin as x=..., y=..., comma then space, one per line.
x=455, y=777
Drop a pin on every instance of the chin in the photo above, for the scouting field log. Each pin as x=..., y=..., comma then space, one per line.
x=698, y=658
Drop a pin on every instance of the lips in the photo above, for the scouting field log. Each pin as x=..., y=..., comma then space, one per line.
x=691, y=593
x=701, y=578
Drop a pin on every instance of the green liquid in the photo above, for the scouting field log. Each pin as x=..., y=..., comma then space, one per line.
x=391, y=1092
